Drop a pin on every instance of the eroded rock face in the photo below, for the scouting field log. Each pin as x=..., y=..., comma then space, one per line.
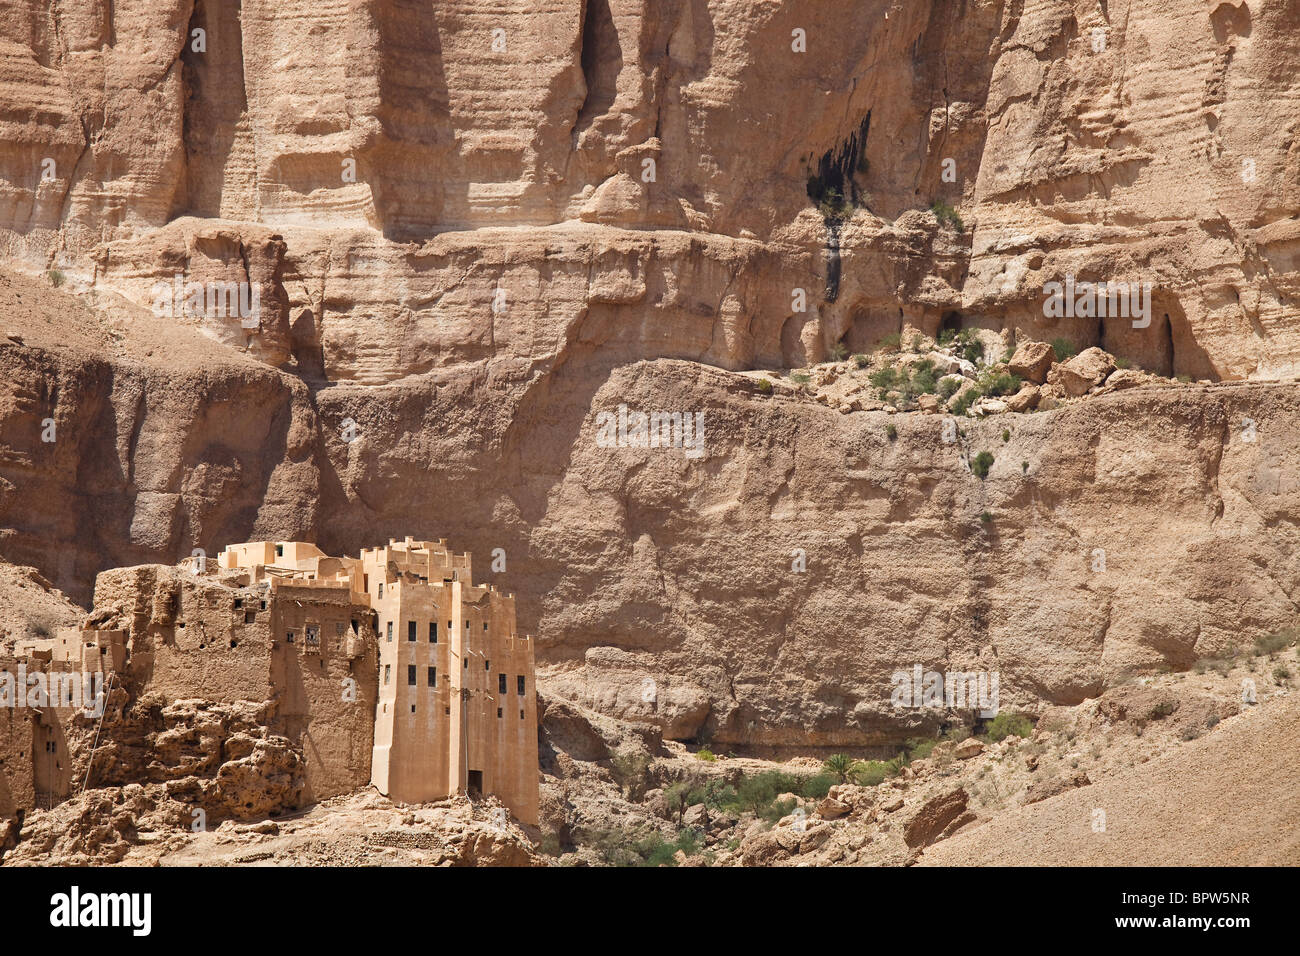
x=467, y=244
x=612, y=144
x=637, y=563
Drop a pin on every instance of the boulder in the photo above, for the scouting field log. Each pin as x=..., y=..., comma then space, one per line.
x=832, y=809
x=944, y=364
x=970, y=747
x=1126, y=378
x=1051, y=787
x=933, y=818
x=1025, y=400
x=1085, y=371
x=814, y=838
x=1032, y=361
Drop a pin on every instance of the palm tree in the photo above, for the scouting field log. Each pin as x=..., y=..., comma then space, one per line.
x=841, y=765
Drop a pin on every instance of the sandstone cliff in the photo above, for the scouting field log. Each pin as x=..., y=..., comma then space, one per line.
x=472, y=230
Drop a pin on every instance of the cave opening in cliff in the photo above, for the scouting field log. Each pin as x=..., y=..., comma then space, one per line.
x=1167, y=331
x=832, y=186
x=950, y=324
x=602, y=62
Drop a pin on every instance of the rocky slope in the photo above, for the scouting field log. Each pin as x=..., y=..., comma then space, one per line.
x=473, y=230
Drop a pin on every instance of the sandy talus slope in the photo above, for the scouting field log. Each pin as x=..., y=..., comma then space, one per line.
x=1228, y=799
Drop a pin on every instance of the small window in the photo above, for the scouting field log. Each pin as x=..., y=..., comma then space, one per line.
x=446, y=710
x=279, y=551
x=250, y=617
x=521, y=714
x=239, y=602
x=501, y=683
x=519, y=684
x=339, y=628
x=410, y=630
x=466, y=663
x=412, y=708
x=381, y=591
x=487, y=664
x=263, y=605
x=433, y=632
x=289, y=637
x=390, y=631
x=498, y=712
x=388, y=672
x=485, y=625
x=449, y=627
x=410, y=675
x=433, y=676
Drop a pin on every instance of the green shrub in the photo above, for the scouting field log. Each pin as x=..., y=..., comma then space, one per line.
x=1123, y=363
x=1024, y=467
x=629, y=768
x=1272, y=643
x=947, y=215
x=1064, y=349
x=839, y=352
x=986, y=517
x=891, y=431
x=677, y=797
x=1007, y=724
x=948, y=388
x=891, y=341
x=757, y=791
x=969, y=346
x=777, y=809
x=1006, y=435
x=817, y=786
x=885, y=379
x=830, y=203
x=918, y=748
x=765, y=386
x=1281, y=672
x=962, y=403
x=924, y=381
x=982, y=463
x=618, y=847
x=55, y=277
x=705, y=754
x=870, y=773
x=800, y=378
x=999, y=383
x=861, y=361
x=916, y=343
